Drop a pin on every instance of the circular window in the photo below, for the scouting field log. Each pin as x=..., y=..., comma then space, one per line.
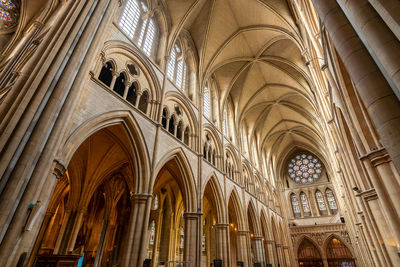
x=304, y=168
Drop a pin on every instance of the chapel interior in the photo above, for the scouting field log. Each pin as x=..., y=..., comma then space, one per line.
x=200, y=133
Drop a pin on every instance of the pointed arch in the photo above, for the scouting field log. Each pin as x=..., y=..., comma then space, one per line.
x=252, y=215
x=237, y=206
x=218, y=197
x=139, y=155
x=185, y=178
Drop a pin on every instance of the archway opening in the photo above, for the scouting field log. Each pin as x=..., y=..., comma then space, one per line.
x=166, y=229
x=90, y=208
x=308, y=255
x=209, y=221
x=234, y=232
x=338, y=254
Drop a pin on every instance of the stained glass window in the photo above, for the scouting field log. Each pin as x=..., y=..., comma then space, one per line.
x=152, y=232
x=320, y=200
x=331, y=199
x=4, y=15
x=182, y=237
x=155, y=204
x=295, y=203
x=304, y=168
x=304, y=203
x=7, y=4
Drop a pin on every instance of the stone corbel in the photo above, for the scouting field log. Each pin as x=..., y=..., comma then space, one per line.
x=59, y=169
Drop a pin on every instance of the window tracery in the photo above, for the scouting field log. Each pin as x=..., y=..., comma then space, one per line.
x=304, y=203
x=331, y=199
x=304, y=168
x=295, y=204
x=320, y=200
x=130, y=23
x=176, y=70
x=207, y=102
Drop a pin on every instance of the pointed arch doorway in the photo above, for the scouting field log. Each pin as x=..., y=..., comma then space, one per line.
x=308, y=255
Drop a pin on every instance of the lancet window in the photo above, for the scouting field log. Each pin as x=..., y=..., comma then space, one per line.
x=304, y=203
x=177, y=69
x=137, y=22
x=331, y=199
x=320, y=200
x=295, y=204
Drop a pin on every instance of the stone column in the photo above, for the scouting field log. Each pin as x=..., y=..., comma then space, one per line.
x=242, y=245
x=75, y=230
x=127, y=85
x=135, y=239
x=279, y=253
x=222, y=232
x=378, y=97
x=259, y=249
x=383, y=45
x=389, y=10
x=192, y=243
x=286, y=255
x=114, y=79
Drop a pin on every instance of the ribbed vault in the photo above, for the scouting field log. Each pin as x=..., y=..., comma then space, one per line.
x=253, y=51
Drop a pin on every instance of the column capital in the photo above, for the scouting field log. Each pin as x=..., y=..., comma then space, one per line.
x=377, y=157
x=140, y=198
x=242, y=232
x=192, y=215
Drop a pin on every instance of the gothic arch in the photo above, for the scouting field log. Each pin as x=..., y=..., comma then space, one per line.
x=301, y=239
x=212, y=181
x=234, y=196
x=252, y=211
x=184, y=178
x=137, y=150
x=341, y=239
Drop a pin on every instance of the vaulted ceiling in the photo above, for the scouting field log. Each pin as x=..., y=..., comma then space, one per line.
x=253, y=49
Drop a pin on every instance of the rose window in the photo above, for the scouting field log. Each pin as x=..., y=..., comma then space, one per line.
x=304, y=169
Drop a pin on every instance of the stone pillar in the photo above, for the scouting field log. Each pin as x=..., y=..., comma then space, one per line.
x=241, y=246
x=75, y=230
x=389, y=10
x=386, y=185
x=114, y=79
x=135, y=239
x=127, y=85
x=272, y=256
x=259, y=249
x=383, y=44
x=279, y=253
x=222, y=232
x=378, y=97
x=192, y=241
x=286, y=255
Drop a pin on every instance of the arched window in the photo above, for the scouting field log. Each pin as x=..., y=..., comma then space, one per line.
x=182, y=235
x=143, y=102
x=130, y=17
x=171, y=126
x=331, y=199
x=164, y=118
x=186, y=136
x=155, y=203
x=129, y=23
x=106, y=74
x=207, y=102
x=295, y=204
x=304, y=203
x=119, y=86
x=179, y=130
x=152, y=233
x=132, y=94
x=320, y=200
x=176, y=70
x=224, y=121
